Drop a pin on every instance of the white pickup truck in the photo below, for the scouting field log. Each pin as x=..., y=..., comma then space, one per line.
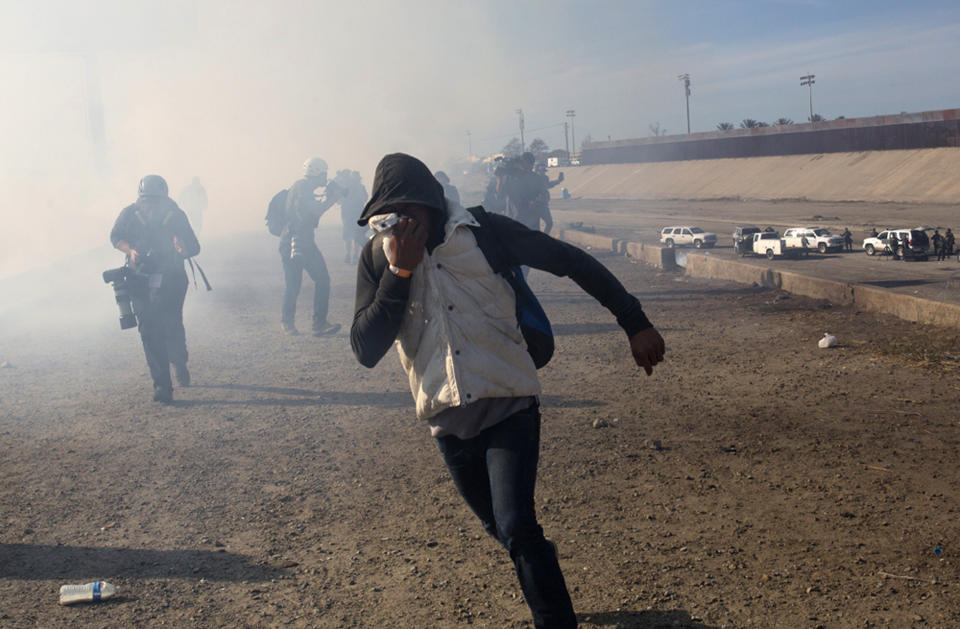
x=812, y=238
x=768, y=244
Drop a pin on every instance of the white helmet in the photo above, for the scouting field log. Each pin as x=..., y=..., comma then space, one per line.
x=314, y=167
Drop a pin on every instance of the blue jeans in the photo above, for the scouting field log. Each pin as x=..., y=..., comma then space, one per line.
x=496, y=472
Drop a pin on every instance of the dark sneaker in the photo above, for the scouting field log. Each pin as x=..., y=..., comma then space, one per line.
x=326, y=329
x=289, y=329
x=183, y=375
x=162, y=395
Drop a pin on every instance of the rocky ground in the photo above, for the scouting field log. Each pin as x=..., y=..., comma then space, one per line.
x=753, y=481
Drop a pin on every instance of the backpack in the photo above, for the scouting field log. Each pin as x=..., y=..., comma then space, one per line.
x=277, y=213
x=532, y=320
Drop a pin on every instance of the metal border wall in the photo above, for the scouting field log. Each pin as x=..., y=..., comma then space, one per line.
x=933, y=129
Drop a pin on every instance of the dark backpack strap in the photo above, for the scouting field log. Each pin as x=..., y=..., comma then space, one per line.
x=532, y=320
x=489, y=242
x=194, y=267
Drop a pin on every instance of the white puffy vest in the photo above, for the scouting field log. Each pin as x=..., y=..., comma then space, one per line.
x=459, y=341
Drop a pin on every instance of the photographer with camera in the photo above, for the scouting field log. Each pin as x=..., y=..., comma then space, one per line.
x=156, y=236
x=298, y=248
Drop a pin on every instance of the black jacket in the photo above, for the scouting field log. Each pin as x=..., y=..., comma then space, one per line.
x=149, y=226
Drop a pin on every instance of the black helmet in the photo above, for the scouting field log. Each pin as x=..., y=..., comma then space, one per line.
x=153, y=186
x=528, y=158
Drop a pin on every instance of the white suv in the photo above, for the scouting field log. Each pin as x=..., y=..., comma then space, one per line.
x=687, y=235
x=816, y=238
x=913, y=243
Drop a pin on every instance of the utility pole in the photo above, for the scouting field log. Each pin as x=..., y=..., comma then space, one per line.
x=808, y=81
x=571, y=114
x=566, y=137
x=469, y=145
x=522, y=143
x=685, y=79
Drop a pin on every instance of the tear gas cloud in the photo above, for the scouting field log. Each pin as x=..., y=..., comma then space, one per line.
x=98, y=94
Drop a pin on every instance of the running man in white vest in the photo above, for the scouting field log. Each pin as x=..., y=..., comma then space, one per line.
x=424, y=284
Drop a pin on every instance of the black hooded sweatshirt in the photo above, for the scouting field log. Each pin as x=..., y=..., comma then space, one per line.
x=381, y=298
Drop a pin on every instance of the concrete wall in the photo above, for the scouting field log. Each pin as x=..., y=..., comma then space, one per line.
x=703, y=264
x=921, y=175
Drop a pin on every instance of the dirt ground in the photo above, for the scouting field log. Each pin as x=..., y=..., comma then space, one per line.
x=753, y=481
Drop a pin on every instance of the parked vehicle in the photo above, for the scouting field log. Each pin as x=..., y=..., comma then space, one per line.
x=679, y=236
x=813, y=238
x=913, y=243
x=744, y=232
x=768, y=244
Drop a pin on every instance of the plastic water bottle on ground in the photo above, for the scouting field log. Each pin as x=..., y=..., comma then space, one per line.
x=87, y=593
x=828, y=340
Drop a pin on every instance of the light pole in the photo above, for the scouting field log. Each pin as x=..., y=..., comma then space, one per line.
x=469, y=145
x=808, y=81
x=566, y=137
x=571, y=114
x=685, y=79
x=522, y=144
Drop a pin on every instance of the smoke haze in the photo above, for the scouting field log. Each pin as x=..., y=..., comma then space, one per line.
x=94, y=95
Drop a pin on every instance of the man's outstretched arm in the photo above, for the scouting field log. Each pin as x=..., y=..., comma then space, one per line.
x=540, y=251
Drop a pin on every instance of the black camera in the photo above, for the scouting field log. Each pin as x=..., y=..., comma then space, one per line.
x=124, y=280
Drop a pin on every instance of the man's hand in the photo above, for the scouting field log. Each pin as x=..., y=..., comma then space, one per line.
x=648, y=349
x=125, y=247
x=406, y=243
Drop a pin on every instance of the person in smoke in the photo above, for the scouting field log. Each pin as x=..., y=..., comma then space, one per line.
x=425, y=285
x=493, y=199
x=298, y=248
x=542, y=200
x=193, y=201
x=524, y=190
x=156, y=237
x=449, y=190
x=351, y=206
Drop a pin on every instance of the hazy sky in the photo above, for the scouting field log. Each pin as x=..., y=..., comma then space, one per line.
x=240, y=93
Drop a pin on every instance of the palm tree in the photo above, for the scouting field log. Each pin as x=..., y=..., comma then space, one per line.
x=748, y=123
x=782, y=122
x=816, y=118
x=725, y=126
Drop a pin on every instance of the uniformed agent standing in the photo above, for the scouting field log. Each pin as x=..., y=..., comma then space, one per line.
x=157, y=237
x=299, y=252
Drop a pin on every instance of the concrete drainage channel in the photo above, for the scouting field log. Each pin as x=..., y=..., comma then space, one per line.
x=702, y=264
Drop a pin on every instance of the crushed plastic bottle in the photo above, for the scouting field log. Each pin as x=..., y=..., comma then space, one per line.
x=828, y=340
x=87, y=593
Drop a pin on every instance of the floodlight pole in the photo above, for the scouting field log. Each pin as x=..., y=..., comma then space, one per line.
x=685, y=79
x=571, y=114
x=522, y=143
x=808, y=81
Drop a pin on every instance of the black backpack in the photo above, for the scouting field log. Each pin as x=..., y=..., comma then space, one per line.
x=533, y=321
x=277, y=213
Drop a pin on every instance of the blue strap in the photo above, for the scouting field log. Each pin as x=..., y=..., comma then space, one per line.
x=96, y=590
